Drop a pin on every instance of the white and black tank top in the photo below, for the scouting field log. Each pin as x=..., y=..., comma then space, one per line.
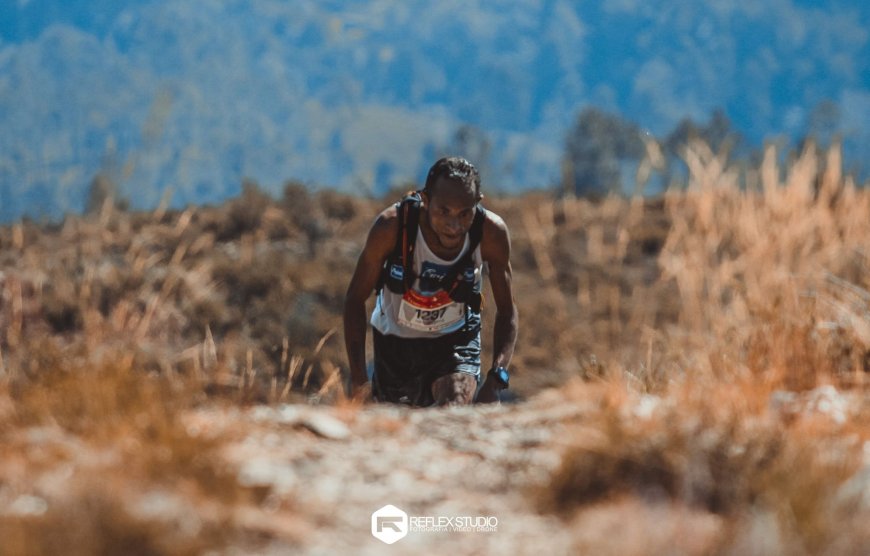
x=425, y=310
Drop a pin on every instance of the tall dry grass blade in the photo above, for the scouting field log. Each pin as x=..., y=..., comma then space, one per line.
x=179, y=253
x=195, y=355
x=248, y=377
x=832, y=178
x=308, y=371
x=18, y=236
x=285, y=353
x=584, y=291
x=595, y=244
x=307, y=376
x=168, y=370
x=540, y=245
x=572, y=209
x=769, y=174
x=615, y=302
x=145, y=323
x=323, y=340
x=801, y=175
x=331, y=382
x=653, y=160
x=13, y=330
x=162, y=206
x=107, y=210
x=209, y=350
x=183, y=222
x=293, y=367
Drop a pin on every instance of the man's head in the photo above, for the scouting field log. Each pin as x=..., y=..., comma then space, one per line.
x=453, y=168
x=450, y=196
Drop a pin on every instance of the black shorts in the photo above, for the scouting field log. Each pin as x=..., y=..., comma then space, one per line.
x=405, y=368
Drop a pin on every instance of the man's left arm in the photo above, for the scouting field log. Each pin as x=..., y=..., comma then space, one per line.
x=495, y=250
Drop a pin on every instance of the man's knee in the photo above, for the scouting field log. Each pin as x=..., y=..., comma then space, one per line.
x=454, y=389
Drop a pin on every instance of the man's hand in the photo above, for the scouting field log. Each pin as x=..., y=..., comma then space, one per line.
x=488, y=392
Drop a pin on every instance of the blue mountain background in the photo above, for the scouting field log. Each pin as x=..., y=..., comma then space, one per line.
x=185, y=100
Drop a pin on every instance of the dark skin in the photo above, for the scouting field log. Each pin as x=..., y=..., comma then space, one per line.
x=446, y=216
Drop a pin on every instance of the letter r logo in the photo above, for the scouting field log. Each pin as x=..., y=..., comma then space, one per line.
x=389, y=524
x=394, y=523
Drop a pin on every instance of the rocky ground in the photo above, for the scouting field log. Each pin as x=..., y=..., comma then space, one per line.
x=588, y=468
x=327, y=469
x=337, y=466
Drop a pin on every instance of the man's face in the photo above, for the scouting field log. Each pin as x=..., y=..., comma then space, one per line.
x=450, y=210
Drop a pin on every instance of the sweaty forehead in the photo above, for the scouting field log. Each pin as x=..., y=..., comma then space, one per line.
x=446, y=191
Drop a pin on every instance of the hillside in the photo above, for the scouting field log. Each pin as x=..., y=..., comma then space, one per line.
x=691, y=376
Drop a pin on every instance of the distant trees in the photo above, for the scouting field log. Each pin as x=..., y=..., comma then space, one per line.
x=599, y=150
x=717, y=133
x=606, y=154
x=101, y=192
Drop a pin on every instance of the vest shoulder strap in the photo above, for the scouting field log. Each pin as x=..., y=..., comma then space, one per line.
x=398, y=271
x=409, y=208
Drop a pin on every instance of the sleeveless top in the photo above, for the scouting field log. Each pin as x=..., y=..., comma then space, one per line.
x=426, y=310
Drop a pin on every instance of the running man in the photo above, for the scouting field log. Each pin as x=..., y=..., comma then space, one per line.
x=424, y=258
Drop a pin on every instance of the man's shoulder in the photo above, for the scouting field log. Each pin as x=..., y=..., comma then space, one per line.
x=493, y=219
x=385, y=227
x=494, y=225
x=495, y=242
x=389, y=214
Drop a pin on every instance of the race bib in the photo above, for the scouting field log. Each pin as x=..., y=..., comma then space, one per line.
x=429, y=313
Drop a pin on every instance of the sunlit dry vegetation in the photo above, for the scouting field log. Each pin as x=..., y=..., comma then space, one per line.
x=722, y=332
x=752, y=427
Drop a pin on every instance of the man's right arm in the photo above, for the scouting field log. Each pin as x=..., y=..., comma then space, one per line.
x=379, y=244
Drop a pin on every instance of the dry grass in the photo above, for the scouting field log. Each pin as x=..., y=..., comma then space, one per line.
x=690, y=318
x=774, y=280
x=98, y=460
x=715, y=450
x=773, y=297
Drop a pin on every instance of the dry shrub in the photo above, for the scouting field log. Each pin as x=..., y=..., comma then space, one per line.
x=159, y=284
x=306, y=215
x=244, y=214
x=104, y=402
x=586, y=282
x=712, y=452
x=92, y=521
x=137, y=480
x=336, y=206
x=771, y=291
x=770, y=279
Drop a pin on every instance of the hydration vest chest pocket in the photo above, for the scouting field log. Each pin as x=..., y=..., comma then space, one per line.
x=397, y=272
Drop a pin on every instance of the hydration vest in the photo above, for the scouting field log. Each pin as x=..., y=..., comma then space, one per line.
x=398, y=272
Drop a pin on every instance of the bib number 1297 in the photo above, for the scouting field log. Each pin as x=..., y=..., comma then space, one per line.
x=430, y=317
x=429, y=314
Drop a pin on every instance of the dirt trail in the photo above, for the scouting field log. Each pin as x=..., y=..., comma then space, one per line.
x=335, y=467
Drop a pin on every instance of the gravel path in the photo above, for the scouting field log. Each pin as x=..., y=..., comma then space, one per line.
x=337, y=466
